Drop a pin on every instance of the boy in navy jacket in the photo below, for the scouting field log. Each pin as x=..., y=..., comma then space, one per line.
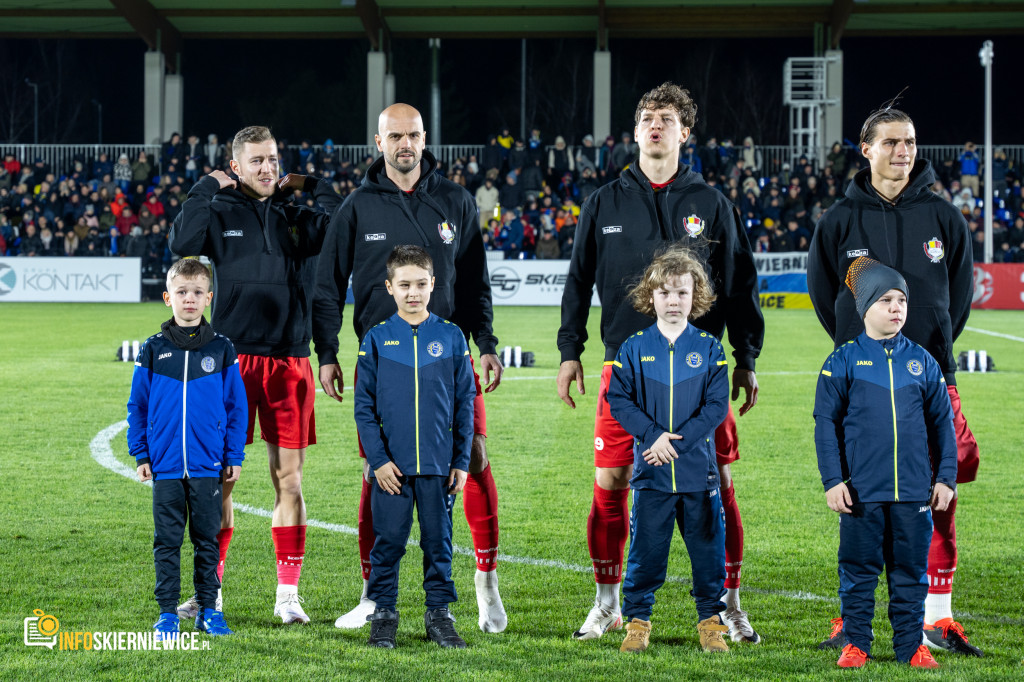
x=187, y=417
x=414, y=413
x=670, y=390
x=887, y=455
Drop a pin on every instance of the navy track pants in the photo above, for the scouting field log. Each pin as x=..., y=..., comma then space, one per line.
x=392, y=521
x=701, y=522
x=894, y=536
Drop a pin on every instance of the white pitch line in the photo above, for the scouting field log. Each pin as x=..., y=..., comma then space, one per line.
x=992, y=333
x=103, y=453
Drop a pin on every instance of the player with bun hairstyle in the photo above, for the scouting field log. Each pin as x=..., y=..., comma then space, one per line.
x=890, y=214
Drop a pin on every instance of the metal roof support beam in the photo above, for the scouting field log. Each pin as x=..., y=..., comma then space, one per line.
x=840, y=14
x=374, y=25
x=157, y=32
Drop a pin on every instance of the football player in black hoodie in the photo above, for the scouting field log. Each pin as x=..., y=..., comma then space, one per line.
x=264, y=254
x=656, y=202
x=890, y=214
x=402, y=200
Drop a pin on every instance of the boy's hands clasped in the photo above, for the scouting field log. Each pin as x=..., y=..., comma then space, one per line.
x=662, y=451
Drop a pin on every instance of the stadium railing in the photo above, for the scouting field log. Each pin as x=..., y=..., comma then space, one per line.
x=61, y=157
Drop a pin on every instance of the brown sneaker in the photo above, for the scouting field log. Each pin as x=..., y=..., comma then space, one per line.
x=638, y=636
x=711, y=631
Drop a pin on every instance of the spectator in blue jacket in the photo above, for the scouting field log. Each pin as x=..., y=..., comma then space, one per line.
x=670, y=390
x=887, y=456
x=414, y=412
x=187, y=417
x=969, y=166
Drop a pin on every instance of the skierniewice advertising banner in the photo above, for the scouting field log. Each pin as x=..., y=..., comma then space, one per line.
x=71, y=280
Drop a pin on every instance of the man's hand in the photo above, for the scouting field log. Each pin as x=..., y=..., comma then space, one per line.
x=838, y=498
x=291, y=183
x=747, y=380
x=491, y=363
x=329, y=374
x=456, y=481
x=662, y=451
x=387, y=478
x=233, y=472
x=567, y=372
x=942, y=495
x=145, y=472
x=223, y=179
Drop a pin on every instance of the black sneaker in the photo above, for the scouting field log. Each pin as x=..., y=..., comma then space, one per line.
x=383, y=628
x=441, y=629
x=836, y=638
x=948, y=635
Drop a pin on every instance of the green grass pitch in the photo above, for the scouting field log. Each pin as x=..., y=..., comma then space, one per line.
x=75, y=538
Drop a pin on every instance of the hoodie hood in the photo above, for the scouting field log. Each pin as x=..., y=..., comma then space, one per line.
x=922, y=177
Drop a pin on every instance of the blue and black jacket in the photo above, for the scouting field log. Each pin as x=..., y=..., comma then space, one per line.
x=680, y=387
x=414, y=396
x=187, y=413
x=883, y=423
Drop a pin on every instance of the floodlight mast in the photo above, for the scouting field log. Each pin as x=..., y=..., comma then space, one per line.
x=986, y=54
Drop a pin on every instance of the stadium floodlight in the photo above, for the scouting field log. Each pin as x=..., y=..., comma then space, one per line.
x=986, y=55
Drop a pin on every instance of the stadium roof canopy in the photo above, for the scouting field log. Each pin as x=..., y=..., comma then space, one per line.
x=165, y=23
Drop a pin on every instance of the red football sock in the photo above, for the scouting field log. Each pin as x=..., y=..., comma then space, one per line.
x=290, y=547
x=366, y=535
x=223, y=540
x=942, y=553
x=733, y=538
x=480, y=502
x=607, y=528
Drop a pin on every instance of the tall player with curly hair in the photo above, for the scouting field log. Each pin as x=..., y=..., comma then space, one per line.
x=656, y=202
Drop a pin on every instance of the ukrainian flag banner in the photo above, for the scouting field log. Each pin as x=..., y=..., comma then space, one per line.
x=782, y=280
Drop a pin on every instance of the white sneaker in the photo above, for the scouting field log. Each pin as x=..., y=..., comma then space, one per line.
x=289, y=608
x=600, y=619
x=488, y=602
x=739, y=626
x=356, y=618
x=190, y=608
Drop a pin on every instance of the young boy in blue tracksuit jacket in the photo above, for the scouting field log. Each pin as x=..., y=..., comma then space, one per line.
x=887, y=453
x=669, y=389
x=414, y=413
x=187, y=417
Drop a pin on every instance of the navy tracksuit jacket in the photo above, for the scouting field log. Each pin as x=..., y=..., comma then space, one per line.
x=414, y=406
x=683, y=388
x=884, y=426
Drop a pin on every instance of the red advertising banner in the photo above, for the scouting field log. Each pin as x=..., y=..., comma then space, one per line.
x=999, y=286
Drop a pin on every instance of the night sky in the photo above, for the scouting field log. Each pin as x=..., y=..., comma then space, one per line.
x=316, y=89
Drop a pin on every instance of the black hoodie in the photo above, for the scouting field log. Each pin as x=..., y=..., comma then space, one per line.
x=438, y=215
x=264, y=257
x=921, y=236
x=622, y=225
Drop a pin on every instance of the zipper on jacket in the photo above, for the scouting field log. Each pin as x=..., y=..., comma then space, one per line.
x=895, y=442
x=416, y=392
x=671, y=405
x=184, y=416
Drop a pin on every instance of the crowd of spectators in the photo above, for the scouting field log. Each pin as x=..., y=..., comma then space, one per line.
x=528, y=193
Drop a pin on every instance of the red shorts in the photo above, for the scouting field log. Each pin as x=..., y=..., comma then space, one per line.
x=479, y=412
x=613, y=447
x=967, y=455
x=282, y=390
